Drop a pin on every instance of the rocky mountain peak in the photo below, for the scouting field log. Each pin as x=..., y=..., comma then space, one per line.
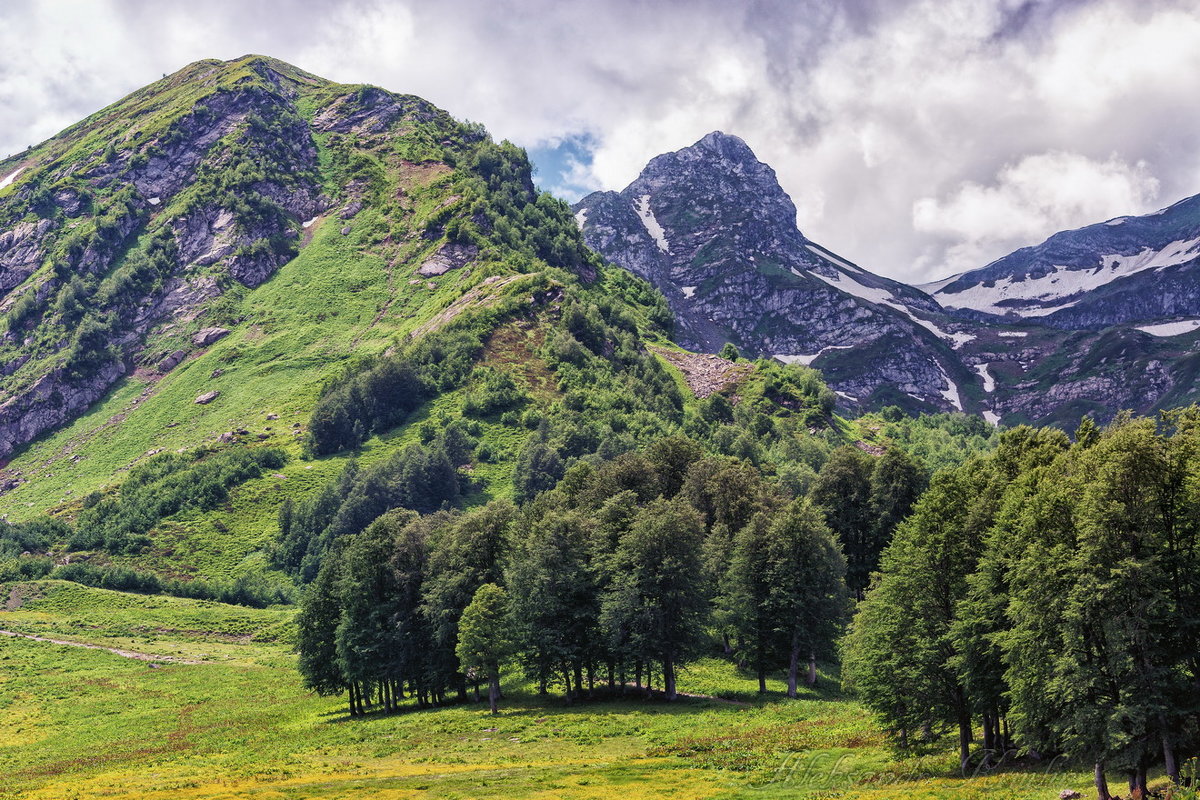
x=711, y=227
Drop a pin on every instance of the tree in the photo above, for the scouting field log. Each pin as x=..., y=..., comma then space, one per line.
x=465, y=552
x=897, y=482
x=316, y=628
x=807, y=603
x=730, y=352
x=899, y=649
x=657, y=604
x=367, y=637
x=484, y=641
x=843, y=491
x=555, y=605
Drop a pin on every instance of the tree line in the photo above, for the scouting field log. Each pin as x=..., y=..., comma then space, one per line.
x=1047, y=594
x=623, y=571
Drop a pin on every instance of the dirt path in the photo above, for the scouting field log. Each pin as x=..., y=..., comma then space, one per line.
x=113, y=650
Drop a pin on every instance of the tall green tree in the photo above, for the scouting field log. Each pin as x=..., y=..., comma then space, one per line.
x=899, y=651
x=484, y=637
x=843, y=491
x=657, y=605
x=556, y=607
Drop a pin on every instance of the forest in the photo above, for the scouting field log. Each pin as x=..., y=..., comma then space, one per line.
x=1040, y=597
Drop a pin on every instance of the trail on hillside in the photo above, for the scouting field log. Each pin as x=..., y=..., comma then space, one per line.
x=113, y=650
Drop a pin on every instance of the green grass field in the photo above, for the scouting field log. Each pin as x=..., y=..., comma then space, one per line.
x=83, y=723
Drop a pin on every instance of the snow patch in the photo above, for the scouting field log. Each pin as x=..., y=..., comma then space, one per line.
x=1065, y=282
x=989, y=383
x=849, y=397
x=1171, y=328
x=8, y=180
x=1013, y=334
x=1117, y=221
x=933, y=287
x=154, y=201
x=992, y=417
x=688, y=291
x=309, y=223
x=831, y=258
x=885, y=298
x=581, y=218
x=851, y=286
x=652, y=227
x=951, y=391
x=808, y=359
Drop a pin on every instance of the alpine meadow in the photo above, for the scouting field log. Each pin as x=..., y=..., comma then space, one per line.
x=340, y=457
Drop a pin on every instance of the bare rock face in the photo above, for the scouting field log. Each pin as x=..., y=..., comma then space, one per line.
x=207, y=398
x=207, y=336
x=173, y=360
x=21, y=252
x=52, y=400
x=712, y=229
x=448, y=257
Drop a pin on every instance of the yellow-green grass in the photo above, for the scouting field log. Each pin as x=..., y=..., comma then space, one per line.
x=88, y=724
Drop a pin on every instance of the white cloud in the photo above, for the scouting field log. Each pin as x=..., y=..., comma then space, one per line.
x=1030, y=200
x=968, y=111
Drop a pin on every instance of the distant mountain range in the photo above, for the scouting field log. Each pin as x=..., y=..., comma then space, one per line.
x=1090, y=321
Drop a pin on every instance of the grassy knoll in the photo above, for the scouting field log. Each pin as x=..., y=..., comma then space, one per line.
x=86, y=724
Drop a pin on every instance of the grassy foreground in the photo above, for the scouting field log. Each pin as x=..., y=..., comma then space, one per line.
x=86, y=723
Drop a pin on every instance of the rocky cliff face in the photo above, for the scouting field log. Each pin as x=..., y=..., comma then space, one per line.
x=1088, y=322
x=119, y=236
x=710, y=227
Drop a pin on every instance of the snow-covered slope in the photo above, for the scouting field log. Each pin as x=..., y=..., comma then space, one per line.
x=1127, y=269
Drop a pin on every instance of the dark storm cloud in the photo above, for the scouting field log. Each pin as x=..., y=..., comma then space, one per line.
x=916, y=137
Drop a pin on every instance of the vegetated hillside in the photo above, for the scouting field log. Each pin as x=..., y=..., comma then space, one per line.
x=710, y=226
x=436, y=318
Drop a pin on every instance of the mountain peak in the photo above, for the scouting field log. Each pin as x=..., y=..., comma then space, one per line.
x=728, y=146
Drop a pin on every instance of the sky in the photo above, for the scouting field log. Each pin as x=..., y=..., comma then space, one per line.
x=917, y=138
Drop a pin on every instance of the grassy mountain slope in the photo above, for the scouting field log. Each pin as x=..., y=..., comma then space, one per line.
x=420, y=225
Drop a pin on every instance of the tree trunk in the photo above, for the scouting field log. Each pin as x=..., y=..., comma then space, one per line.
x=578, y=679
x=793, y=669
x=1170, y=764
x=964, y=736
x=812, y=670
x=637, y=674
x=1101, y=783
x=669, y=677
x=1143, y=791
x=989, y=740
x=762, y=676
x=493, y=689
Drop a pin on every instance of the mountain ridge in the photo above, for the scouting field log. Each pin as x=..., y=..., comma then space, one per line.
x=1045, y=364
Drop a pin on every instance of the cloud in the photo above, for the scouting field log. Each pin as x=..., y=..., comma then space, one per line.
x=866, y=109
x=1030, y=200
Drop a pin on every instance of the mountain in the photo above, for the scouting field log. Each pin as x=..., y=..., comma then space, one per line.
x=248, y=310
x=130, y=239
x=1087, y=323
x=1127, y=269
x=711, y=228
